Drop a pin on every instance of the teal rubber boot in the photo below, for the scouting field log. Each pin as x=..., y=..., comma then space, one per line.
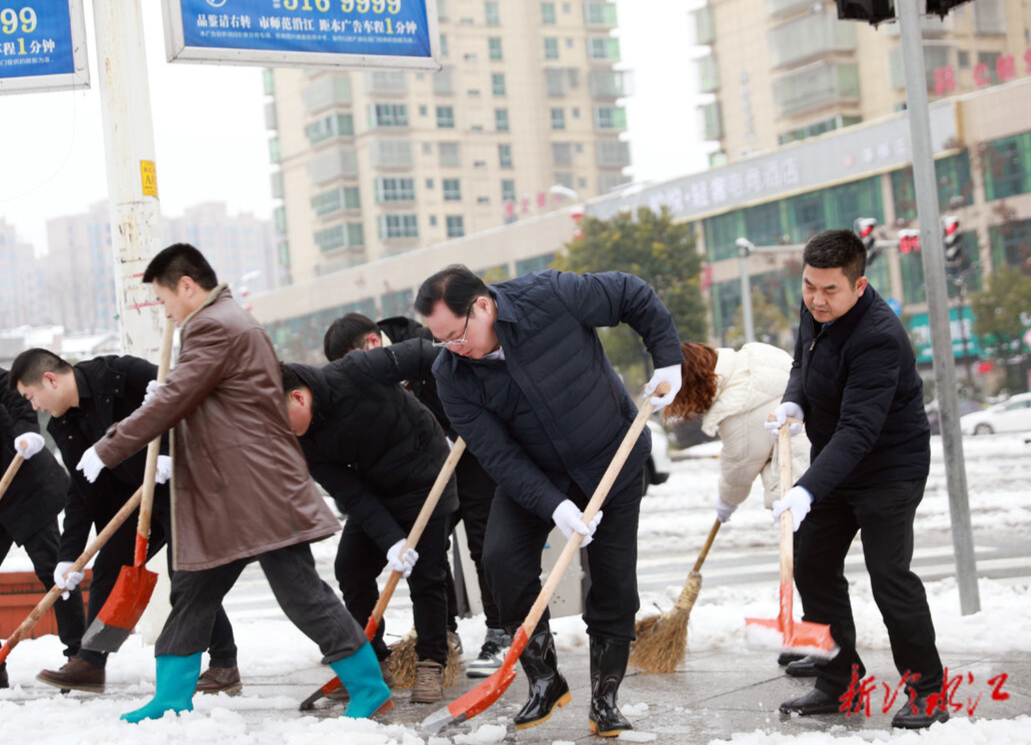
x=363, y=680
x=176, y=681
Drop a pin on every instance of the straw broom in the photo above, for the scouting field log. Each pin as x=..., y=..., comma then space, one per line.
x=403, y=658
x=662, y=639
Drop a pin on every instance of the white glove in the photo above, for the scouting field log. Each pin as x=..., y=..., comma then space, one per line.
x=90, y=464
x=569, y=519
x=798, y=500
x=724, y=510
x=781, y=414
x=669, y=375
x=164, y=469
x=28, y=444
x=69, y=584
x=152, y=389
x=399, y=562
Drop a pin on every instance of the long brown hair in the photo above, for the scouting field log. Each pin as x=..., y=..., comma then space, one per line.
x=698, y=377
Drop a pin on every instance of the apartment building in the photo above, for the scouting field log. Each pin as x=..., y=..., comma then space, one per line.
x=370, y=165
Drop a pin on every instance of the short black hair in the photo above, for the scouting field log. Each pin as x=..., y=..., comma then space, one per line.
x=29, y=366
x=177, y=261
x=456, y=285
x=345, y=334
x=291, y=380
x=837, y=248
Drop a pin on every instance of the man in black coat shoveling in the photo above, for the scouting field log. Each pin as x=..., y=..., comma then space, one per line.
x=29, y=509
x=84, y=400
x=356, y=332
x=526, y=383
x=377, y=451
x=854, y=383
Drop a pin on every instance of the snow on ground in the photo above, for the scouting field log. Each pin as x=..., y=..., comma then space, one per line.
x=675, y=518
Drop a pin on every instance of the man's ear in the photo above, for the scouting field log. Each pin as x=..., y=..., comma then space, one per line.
x=861, y=284
x=50, y=378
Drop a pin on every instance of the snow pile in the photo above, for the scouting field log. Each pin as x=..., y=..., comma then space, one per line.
x=956, y=731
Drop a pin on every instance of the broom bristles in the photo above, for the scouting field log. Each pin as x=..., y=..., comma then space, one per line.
x=403, y=658
x=662, y=640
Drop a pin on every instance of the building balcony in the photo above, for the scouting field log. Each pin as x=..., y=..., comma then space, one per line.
x=704, y=26
x=781, y=8
x=326, y=91
x=708, y=74
x=390, y=153
x=559, y=81
x=815, y=86
x=609, y=83
x=340, y=162
x=612, y=154
x=810, y=37
x=386, y=83
x=600, y=15
x=710, y=121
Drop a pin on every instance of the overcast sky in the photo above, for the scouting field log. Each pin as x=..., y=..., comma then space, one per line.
x=212, y=145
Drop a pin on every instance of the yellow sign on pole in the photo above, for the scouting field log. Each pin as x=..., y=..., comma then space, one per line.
x=149, y=178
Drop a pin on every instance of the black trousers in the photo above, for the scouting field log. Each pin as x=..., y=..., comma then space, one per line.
x=883, y=515
x=359, y=562
x=306, y=600
x=512, y=558
x=42, y=551
x=118, y=552
x=475, y=496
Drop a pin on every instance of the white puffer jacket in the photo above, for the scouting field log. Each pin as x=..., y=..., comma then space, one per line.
x=750, y=383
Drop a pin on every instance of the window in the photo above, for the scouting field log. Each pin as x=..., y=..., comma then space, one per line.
x=334, y=125
x=564, y=178
x=600, y=47
x=494, y=47
x=398, y=226
x=548, y=14
x=1007, y=167
x=445, y=117
x=600, y=14
x=392, y=153
x=497, y=83
x=449, y=154
x=273, y=150
x=268, y=78
x=955, y=188
x=279, y=218
x=491, y=14
x=562, y=153
x=443, y=45
x=505, y=156
x=501, y=120
x=388, y=115
x=335, y=200
x=1011, y=244
x=508, y=191
x=395, y=189
x=551, y=49
x=610, y=117
x=455, y=226
x=452, y=190
x=433, y=221
x=429, y=183
x=340, y=236
x=558, y=118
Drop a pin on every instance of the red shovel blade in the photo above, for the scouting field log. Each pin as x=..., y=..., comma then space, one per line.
x=122, y=611
x=483, y=695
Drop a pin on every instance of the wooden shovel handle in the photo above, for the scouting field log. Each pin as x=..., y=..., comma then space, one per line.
x=9, y=473
x=574, y=541
x=787, y=537
x=153, y=450
x=55, y=592
x=420, y=524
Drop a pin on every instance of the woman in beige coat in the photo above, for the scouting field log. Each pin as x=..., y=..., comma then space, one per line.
x=733, y=391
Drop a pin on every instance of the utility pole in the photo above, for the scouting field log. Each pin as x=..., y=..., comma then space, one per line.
x=744, y=248
x=131, y=175
x=933, y=257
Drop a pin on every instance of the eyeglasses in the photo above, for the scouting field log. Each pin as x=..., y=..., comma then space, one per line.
x=459, y=340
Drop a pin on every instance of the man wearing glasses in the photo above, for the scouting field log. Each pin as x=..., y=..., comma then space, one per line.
x=525, y=381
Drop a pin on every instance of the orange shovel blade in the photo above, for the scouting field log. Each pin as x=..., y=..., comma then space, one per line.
x=122, y=611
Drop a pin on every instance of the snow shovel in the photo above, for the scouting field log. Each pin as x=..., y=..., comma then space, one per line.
x=784, y=632
x=9, y=474
x=372, y=625
x=55, y=592
x=135, y=585
x=490, y=690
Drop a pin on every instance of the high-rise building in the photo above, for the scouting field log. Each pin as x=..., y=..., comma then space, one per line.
x=80, y=264
x=373, y=164
x=24, y=300
x=779, y=71
x=239, y=247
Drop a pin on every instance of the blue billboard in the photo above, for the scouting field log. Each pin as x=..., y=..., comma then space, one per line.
x=42, y=45
x=335, y=33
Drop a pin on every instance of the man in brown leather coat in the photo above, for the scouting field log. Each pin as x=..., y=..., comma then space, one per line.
x=240, y=488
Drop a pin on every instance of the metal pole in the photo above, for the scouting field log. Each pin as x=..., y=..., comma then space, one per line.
x=933, y=256
x=744, y=248
x=131, y=177
x=133, y=201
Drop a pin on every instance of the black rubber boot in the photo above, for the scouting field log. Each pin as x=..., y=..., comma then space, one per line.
x=4, y=682
x=548, y=688
x=608, y=665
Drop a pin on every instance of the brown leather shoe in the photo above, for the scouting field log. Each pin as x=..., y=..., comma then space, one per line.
x=220, y=680
x=429, y=682
x=388, y=677
x=75, y=674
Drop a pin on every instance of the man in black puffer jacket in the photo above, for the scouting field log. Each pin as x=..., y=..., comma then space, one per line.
x=377, y=451
x=526, y=383
x=854, y=383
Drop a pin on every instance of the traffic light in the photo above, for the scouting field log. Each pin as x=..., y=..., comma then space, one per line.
x=909, y=241
x=871, y=11
x=942, y=7
x=864, y=227
x=955, y=256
